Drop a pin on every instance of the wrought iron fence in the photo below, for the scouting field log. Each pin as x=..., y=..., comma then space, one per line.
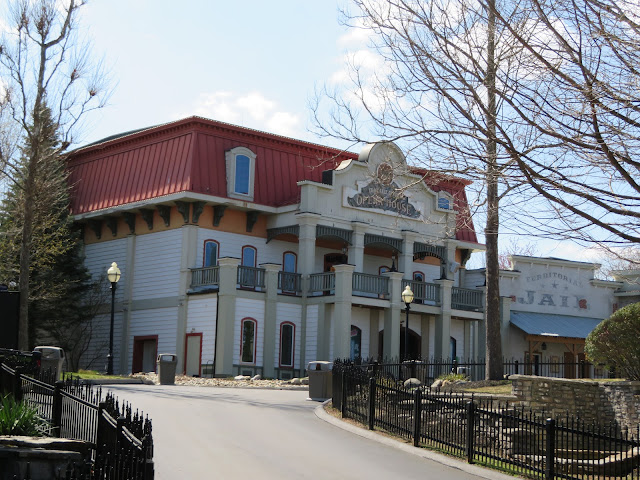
x=121, y=441
x=514, y=439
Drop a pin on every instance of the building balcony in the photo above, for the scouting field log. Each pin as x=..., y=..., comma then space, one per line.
x=324, y=284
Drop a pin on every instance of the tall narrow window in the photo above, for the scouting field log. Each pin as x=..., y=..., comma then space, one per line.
x=210, y=253
x=287, y=337
x=248, y=341
x=249, y=257
x=356, y=342
x=290, y=262
x=241, y=165
x=243, y=173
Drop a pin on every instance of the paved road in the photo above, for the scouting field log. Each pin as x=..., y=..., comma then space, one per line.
x=229, y=433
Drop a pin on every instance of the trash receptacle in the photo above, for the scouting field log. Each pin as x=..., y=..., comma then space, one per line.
x=51, y=360
x=320, y=381
x=167, y=368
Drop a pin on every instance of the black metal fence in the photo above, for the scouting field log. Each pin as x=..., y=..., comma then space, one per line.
x=428, y=370
x=121, y=439
x=498, y=435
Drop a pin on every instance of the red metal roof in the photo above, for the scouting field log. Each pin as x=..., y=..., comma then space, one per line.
x=189, y=156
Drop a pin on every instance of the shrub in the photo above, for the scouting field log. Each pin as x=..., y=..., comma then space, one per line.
x=18, y=418
x=615, y=342
x=453, y=377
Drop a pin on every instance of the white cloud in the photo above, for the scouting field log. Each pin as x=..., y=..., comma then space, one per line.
x=253, y=110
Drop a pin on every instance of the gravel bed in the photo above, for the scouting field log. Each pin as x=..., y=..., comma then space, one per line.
x=295, y=384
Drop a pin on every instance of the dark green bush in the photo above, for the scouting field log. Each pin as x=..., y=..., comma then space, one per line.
x=615, y=342
x=18, y=418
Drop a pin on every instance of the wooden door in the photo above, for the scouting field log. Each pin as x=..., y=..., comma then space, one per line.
x=569, y=365
x=193, y=354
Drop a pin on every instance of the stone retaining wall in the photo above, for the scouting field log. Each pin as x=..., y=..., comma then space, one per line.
x=593, y=402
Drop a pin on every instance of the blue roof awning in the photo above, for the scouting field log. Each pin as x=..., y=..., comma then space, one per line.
x=546, y=324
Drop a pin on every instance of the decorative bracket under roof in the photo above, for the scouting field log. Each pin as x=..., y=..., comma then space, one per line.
x=130, y=220
x=183, y=208
x=252, y=218
x=275, y=232
x=147, y=216
x=381, y=240
x=422, y=250
x=333, y=233
x=218, y=213
x=96, y=226
x=198, y=207
x=165, y=214
x=112, y=223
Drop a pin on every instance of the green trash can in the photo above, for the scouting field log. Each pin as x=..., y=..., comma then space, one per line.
x=167, y=368
x=320, y=380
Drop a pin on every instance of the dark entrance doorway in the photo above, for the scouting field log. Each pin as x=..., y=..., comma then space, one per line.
x=145, y=351
x=331, y=259
x=415, y=344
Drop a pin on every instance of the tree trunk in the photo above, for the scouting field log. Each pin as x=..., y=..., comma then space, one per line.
x=494, y=342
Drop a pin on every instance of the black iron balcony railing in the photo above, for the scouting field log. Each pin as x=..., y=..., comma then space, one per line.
x=251, y=277
x=466, y=299
x=290, y=283
x=205, y=276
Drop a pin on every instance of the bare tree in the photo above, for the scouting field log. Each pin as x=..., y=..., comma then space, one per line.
x=448, y=67
x=47, y=75
x=587, y=111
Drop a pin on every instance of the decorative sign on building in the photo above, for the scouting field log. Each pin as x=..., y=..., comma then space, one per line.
x=384, y=197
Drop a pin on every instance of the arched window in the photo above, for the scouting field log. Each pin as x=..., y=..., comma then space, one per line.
x=289, y=262
x=418, y=276
x=240, y=172
x=248, y=340
x=287, y=338
x=356, y=342
x=211, y=249
x=249, y=256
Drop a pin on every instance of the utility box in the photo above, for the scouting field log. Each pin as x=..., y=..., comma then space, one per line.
x=51, y=360
x=167, y=368
x=320, y=380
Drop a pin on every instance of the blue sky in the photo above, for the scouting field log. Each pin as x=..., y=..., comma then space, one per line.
x=251, y=63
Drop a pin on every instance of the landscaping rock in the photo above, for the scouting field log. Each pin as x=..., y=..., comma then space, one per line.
x=412, y=383
x=242, y=377
x=256, y=377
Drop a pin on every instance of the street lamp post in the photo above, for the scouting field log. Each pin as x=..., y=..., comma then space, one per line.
x=407, y=298
x=113, y=275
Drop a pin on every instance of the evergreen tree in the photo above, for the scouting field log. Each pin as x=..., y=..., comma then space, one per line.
x=59, y=282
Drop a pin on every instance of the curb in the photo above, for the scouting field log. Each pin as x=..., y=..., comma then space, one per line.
x=451, y=462
x=113, y=381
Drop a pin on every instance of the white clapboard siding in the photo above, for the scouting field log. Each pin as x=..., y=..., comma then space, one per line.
x=95, y=358
x=288, y=312
x=154, y=321
x=231, y=246
x=360, y=318
x=431, y=272
x=311, y=347
x=247, y=308
x=157, y=269
x=100, y=256
x=201, y=318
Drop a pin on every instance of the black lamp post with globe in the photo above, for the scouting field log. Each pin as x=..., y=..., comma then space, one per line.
x=113, y=275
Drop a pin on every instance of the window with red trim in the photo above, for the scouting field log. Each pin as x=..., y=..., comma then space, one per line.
x=248, y=331
x=210, y=254
x=249, y=256
x=287, y=345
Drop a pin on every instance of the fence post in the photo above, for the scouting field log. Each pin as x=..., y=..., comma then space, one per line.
x=372, y=402
x=517, y=369
x=550, y=431
x=343, y=395
x=417, y=416
x=17, y=384
x=471, y=410
x=56, y=408
x=413, y=369
x=100, y=440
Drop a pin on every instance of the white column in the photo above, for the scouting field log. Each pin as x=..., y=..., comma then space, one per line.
x=342, y=311
x=226, y=315
x=443, y=321
x=406, y=258
x=269, y=347
x=356, y=249
x=391, y=342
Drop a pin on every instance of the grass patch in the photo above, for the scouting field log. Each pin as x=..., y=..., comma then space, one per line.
x=504, y=389
x=92, y=375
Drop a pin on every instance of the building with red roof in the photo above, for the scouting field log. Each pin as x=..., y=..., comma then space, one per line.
x=245, y=252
